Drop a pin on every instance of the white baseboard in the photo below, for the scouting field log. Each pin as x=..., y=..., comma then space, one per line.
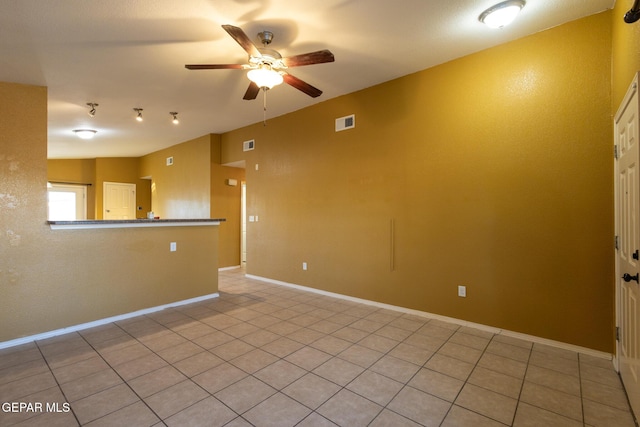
x=229, y=268
x=532, y=338
x=100, y=322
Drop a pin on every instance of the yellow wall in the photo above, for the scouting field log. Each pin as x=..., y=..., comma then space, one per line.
x=493, y=171
x=626, y=52
x=55, y=279
x=182, y=190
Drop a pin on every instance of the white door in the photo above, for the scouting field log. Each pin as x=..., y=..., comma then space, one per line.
x=119, y=200
x=628, y=229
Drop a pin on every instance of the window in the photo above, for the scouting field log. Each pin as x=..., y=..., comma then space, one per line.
x=67, y=202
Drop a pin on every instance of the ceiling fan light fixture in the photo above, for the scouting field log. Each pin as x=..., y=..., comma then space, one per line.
x=175, y=120
x=265, y=77
x=85, y=133
x=139, y=115
x=502, y=14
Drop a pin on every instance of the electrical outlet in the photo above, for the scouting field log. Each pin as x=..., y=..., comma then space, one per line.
x=304, y=265
x=173, y=247
x=462, y=291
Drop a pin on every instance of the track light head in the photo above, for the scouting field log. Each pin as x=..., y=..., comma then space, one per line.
x=139, y=115
x=92, y=111
x=175, y=120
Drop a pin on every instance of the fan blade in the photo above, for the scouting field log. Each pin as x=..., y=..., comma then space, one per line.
x=252, y=92
x=213, y=66
x=317, y=57
x=302, y=86
x=243, y=40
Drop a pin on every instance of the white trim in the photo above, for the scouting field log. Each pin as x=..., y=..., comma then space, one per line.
x=100, y=322
x=229, y=268
x=532, y=338
x=131, y=224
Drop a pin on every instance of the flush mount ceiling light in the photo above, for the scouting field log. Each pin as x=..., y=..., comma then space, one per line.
x=92, y=111
x=501, y=14
x=85, y=133
x=175, y=120
x=139, y=116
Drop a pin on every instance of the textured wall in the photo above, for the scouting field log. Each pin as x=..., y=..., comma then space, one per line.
x=492, y=171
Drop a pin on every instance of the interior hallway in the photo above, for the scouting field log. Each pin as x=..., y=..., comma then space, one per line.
x=268, y=355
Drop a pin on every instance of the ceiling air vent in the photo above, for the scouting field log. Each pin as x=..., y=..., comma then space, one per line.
x=248, y=145
x=347, y=122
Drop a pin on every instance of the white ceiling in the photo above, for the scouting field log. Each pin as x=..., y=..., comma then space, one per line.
x=123, y=54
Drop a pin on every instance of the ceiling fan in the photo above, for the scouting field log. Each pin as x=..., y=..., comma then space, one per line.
x=267, y=67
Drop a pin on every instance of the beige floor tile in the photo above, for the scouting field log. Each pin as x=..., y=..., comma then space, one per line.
x=598, y=415
x=103, y=403
x=460, y=352
x=600, y=393
x=599, y=375
x=14, y=390
x=126, y=354
x=18, y=355
x=139, y=367
x=163, y=340
x=393, y=333
x=367, y=325
x=305, y=335
x=513, y=341
x=507, y=350
x=361, y=356
x=209, y=412
x=315, y=420
x=330, y=344
x=386, y=418
x=452, y=367
x=18, y=371
x=80, y=369
x=308, y=358
x=325, y=326
x=378, y=343
x=338, y=371
x=282, y=347
x=600, y=362
x=552, y=400
x=222, y=376
x=496, y=381
x=198, y=363
x=213, y=339
x=311, y=390
x=503, y=365
x=90, y=384
x=553, y=379
x=488, y=403
x=349, y=409
x=51, y=419
x=156, y=381
x=260, y=338
x=554, y=362
x=277, y=411
x=426, y=342
x=174, y=399
x=437, y=384
x=408, y=323
x=394, y=368
x=245, y=394
x=461, y=417
x=180, y=352
x=350, y=334
x=420, y=407
x=437, y=329
x=411, y=353
x=254, y=360
x=137, y=414
x=74, y=355
x=375, y=387
x=531, y=416
x=471, y=339
x=280, y=374
x=232, y=349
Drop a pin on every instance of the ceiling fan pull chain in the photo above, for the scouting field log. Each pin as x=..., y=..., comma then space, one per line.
x=264, y=107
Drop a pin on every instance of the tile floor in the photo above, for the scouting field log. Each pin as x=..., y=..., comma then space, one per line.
x=268, y=355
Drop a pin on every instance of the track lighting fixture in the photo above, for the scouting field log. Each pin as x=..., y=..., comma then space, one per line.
x=175, y=120
x=92, y=111
x=85, y=133
x=139, y=116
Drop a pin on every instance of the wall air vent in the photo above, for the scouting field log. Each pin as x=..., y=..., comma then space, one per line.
x=248, y=145
x=347, y=122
